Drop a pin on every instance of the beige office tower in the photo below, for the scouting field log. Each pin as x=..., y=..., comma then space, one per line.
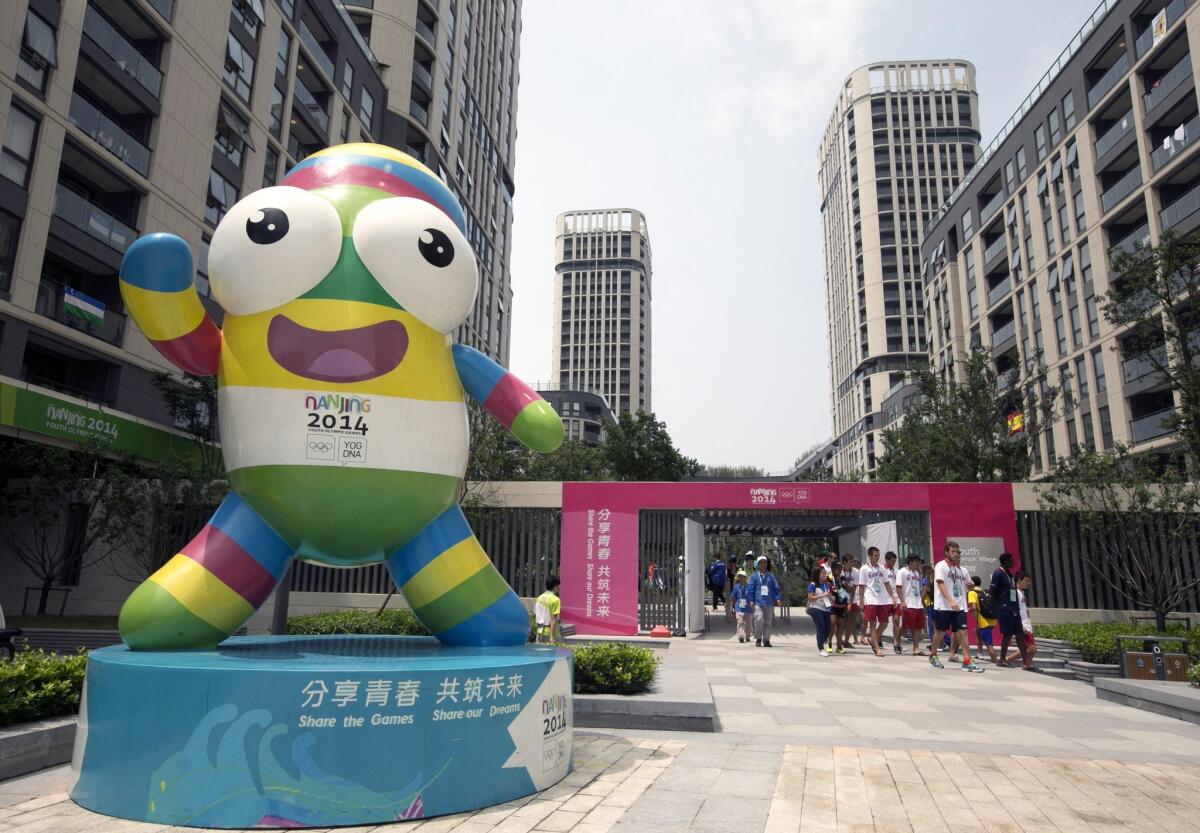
x=451, y=69
x=602, y=291
x=901, y=137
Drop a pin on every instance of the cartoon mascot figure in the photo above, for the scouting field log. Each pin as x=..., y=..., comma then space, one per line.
x=342, y=398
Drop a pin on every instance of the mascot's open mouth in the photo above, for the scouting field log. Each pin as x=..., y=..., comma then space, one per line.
x=340, y=355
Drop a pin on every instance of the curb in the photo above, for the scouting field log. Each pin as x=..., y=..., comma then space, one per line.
x=28, y=747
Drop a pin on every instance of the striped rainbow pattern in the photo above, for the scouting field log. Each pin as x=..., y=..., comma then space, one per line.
x=379, y=167
x=212, y=587
x=513, y=403
x=157, y=286
x=454, y=589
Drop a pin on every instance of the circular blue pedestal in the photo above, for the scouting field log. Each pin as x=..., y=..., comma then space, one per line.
x=319, y=731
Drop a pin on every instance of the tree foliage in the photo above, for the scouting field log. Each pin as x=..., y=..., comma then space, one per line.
x=958, y=430
x=1157, y=296
x=1136, y=517
x=638, y=447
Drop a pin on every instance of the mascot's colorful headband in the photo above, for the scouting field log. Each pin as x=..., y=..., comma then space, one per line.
x=379, y=167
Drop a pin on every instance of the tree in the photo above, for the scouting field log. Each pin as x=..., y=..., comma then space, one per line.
x=1157, y=296
x=61, y=509
x=731, y=472
x=574, y=460
x=963, y=430
x=1135, y=517
x=639, y=448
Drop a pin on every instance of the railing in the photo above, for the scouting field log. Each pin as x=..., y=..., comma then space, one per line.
x=423, y=75
x=1150, y=426
x=1181, y=209
x=419, y=112
x=95, y=221
x=426, y=31
x=1142, y=366
x=1168, y=83
x=994, y=248
x=1004, y=333
x=1146, y=39
x=50, y=303
x=1181, y=138
x=109, y=135
x=1108, y=80
x=1130, y=241
x=136, y=65
x=991, y=208
x=999, y=291
x=309, y=101
x=62, y=387
x=1114, y=134
x=314, y=47
x=1063, y=59
x=1122, y=188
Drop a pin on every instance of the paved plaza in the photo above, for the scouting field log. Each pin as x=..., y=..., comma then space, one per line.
x=837, y=744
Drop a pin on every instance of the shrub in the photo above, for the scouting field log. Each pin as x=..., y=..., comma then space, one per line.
x=400, y=622
x=614, y=668
x=1097, y=641
x=37, y=685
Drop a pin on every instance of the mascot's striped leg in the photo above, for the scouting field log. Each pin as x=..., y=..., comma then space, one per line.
x=211, y=588
x=453, y=588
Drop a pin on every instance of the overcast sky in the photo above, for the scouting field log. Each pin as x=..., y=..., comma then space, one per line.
x=706, y=115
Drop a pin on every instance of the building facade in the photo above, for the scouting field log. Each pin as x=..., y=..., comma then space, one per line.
x=602, y=293
x=124, y=116
x=451, y=70
x=901, y=137
x=585, y=415
x=1102, y=155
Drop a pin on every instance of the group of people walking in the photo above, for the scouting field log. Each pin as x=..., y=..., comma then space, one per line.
x=754, y=593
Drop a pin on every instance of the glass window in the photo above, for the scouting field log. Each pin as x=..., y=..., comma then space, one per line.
x=366, y=107
x=348, y=82
x=250, y=13
x=10, y=232
x=1093, y=316
x=1085, y=264
x=20, y=138
x=1081, y=377
x=1009, y=175
x=1055, y=132
x=39, y=51
x=233, y=135
x=972, y=292
x=1076, y=327
x=276, y=122
x=1068, y=104
x=1049, y=231
x=222, y=194
x=1064, y=223
x=289, y=8
x=283, y=54
x=1105, y=427
x=1060, y=331
x=1080, y=211
x=1098, y=370
x=1039, y=139
x=968, y=225
x=239, y=68
x=202, y=284
x=1022, y=170
x=271, y=167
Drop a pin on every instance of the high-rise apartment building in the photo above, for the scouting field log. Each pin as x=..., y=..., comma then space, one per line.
x=901, y=137
x=602, y=291
x=451, y=69
x=124, y=116
x=1102, y=155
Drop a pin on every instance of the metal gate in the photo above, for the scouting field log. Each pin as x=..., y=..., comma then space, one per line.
x=660, y=569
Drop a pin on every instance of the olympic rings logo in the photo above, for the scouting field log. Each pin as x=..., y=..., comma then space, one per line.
x=314, y=446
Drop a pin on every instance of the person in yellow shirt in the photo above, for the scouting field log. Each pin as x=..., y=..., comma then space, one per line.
x=546, y=610
x=983, y=626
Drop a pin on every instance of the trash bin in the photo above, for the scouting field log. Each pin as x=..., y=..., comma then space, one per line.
x=1151, y=662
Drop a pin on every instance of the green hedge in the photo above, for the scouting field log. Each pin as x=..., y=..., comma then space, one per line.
x=37, y=685
x=614, y=668
x=1097, y=640
x=400, y=622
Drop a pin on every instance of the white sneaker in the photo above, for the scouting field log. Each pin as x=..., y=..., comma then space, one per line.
x=824, y=652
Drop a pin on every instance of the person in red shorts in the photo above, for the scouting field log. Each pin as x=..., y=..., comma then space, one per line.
x=912, y=614
x=877, y=596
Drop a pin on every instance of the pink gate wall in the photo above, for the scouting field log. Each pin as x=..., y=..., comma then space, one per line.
x=599, y=554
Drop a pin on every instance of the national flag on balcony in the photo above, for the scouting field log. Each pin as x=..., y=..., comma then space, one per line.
x=81, y=306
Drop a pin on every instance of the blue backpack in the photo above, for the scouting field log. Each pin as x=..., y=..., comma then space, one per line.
x=716, y=574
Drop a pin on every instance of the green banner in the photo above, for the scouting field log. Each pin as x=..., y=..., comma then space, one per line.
x=46, y=414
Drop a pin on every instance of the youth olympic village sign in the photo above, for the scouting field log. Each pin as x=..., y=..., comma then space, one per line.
x=599, y=556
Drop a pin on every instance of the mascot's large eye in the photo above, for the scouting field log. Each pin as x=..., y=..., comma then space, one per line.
x=271, y=248
x=420, y=257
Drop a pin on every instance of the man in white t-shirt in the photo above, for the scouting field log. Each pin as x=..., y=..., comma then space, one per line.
x=950, y=606
x=912, y=614
x=889, y=567
x=852, y=610
x=877, y=595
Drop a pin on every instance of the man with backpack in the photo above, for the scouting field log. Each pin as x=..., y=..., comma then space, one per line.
x=716, y=581
x=1008, y=612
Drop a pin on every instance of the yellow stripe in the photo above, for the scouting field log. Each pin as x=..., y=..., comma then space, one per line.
x=163, y=316
x=444, y=573
x=203, y=594
x=379, y=151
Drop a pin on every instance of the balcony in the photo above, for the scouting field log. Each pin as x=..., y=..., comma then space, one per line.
x=1003, y=335
x=109, y=135
x=417, y=110
x=50, y=303
x=993, y=205
x=1121, y=189
x=310, y=104
x=315, y=49
x=1108, y=80
x=1181, y=138
x=92, y=219
x=1165, y=85
x=1150, y=426
x=1146, y=39
x=1114, y=134
x=1130, y=242
x=996, y=247
x=426, y=31
x=1139, y=367
x=999, y=291
x=124, y=54
x=1181, y=209
x=423, y=77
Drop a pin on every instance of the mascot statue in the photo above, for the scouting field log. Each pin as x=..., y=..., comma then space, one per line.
x=342, y=411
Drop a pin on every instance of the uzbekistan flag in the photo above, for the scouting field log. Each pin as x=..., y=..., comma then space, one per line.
x=82, y=306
